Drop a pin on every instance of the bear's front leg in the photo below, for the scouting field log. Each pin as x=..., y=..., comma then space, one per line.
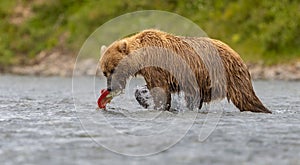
x=143, y=96
x=161, y=98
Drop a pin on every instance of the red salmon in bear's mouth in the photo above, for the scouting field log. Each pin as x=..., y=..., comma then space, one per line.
x=106, y=97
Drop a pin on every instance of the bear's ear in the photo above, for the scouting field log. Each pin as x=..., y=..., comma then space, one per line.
x=123, y=47
x=103, y=49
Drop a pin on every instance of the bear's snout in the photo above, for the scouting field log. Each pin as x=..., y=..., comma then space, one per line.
x=115, y=84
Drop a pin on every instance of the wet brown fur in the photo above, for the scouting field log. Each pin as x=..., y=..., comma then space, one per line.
x=236, y=85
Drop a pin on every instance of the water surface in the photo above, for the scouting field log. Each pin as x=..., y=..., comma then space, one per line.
x=40, y=124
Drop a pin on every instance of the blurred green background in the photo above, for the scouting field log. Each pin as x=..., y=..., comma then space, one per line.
x=260, y=30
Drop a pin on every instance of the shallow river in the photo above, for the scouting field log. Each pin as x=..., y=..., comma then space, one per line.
x=46, y=121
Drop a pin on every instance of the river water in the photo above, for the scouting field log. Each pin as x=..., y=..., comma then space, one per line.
x=46, y=121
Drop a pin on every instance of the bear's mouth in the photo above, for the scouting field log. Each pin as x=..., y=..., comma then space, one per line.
x=114, y=94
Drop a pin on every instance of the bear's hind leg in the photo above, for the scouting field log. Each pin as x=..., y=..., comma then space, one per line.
x=190, y=101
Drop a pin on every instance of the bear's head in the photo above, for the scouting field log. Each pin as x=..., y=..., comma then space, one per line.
x=112, y=67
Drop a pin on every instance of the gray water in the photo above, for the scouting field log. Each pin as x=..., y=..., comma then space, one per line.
x=41, y=123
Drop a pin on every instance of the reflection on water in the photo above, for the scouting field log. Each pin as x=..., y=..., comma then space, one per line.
x=40, y=125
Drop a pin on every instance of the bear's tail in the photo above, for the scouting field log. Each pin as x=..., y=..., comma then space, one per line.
x=239, y=87
x=246, y=100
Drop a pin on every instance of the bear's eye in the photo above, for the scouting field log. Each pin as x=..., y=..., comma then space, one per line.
x=105, y=74
x=112, y=71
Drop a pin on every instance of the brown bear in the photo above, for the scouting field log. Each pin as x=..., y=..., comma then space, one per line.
x=204, y=69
